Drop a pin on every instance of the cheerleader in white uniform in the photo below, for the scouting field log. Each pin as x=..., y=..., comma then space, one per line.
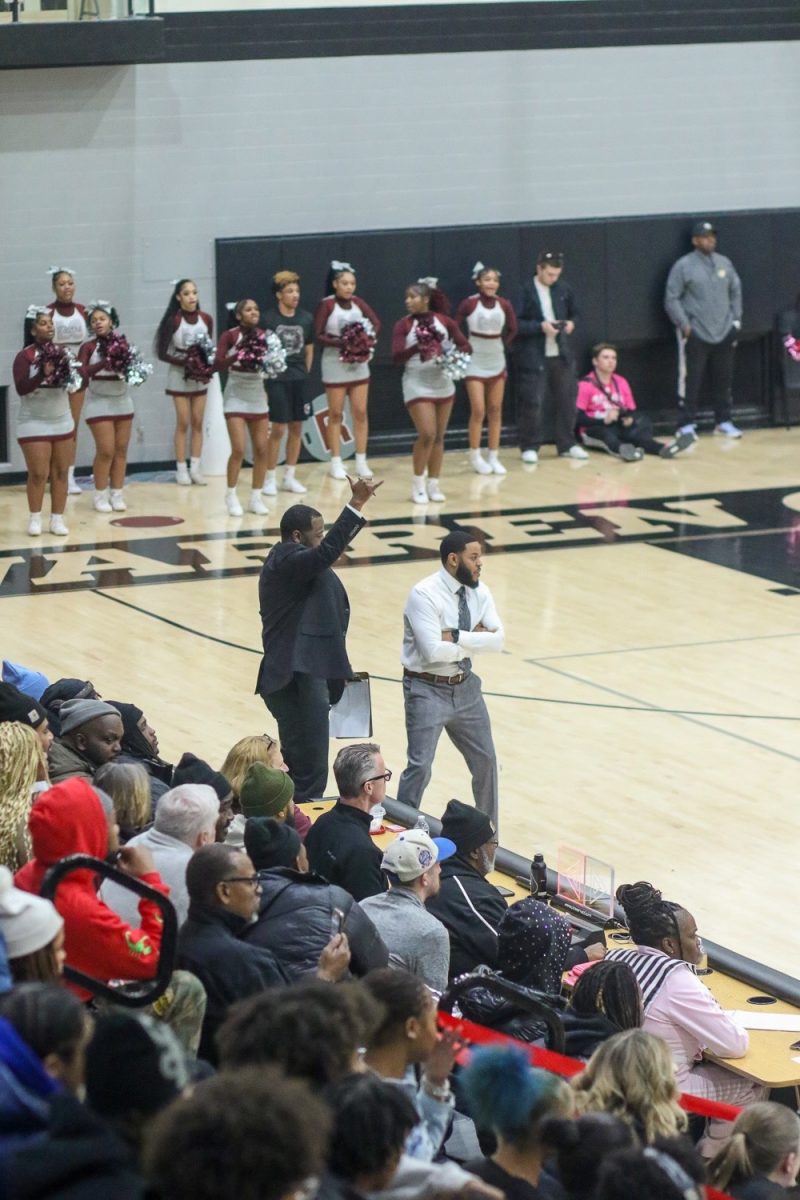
x=245, y=409
x=427, y=392
x=491, y=325
x=109, y=410
x=70, y=330
x=340, y=308
x=45, y=428
x=182, y=324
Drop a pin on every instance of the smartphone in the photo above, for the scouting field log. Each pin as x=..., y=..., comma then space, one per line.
x=337, y=922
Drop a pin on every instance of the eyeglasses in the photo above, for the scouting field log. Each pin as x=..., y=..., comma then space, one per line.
x=386, y=776
x=253, y=880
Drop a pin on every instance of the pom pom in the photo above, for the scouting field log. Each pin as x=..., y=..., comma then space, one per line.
x=261, y=352
x=454, y=362
x=65, y=373
x=429, y=338
x=357, y=342
x=199, y=364
x=124, y=360
x=792, y=347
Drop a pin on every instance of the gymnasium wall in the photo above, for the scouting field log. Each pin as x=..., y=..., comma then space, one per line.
x=129, y=174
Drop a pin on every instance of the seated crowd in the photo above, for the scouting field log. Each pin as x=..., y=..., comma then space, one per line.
x=295, y=1052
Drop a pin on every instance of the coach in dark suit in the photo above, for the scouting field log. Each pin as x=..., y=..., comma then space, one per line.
x=304, y=618
x=544, y=360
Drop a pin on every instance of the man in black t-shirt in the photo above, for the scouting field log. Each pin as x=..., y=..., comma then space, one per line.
x=288, y=394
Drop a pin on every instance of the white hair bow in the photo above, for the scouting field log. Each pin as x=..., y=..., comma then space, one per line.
x=429, y=280
x=105, y=305
x=231, y=305
x=60, y=271
x=340, y=266
x=34, y=311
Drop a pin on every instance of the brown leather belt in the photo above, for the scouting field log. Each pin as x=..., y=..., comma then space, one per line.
x=426, y=675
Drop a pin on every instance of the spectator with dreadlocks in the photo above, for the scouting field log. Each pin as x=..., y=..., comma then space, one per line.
x=677, y=1006
x=606, y=999
x=22, y=764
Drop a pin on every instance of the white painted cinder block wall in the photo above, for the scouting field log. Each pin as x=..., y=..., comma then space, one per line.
x=128, y=174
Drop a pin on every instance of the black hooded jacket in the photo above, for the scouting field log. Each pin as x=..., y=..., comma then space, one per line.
x=471, y=909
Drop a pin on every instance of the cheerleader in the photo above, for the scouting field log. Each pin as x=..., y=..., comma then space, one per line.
x=70, y=330
x=45, y=427
x=109, y=410
x=183, y=324
x=245, y=408
x=491, y=324
x=288, y=394
x=428, y=393
x=342, y=307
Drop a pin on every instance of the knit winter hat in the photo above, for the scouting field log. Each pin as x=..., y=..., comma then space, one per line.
x=27, y=922
x=74, y=713
x=271, y=843
x=142, y=1052
x=192, y=769
x=266, y=791
x=16, y=706
x=466, y=826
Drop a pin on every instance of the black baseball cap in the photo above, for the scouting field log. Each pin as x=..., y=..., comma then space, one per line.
x=550, y=258
x=702, y=228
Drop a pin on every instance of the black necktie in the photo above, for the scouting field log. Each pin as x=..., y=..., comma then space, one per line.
x=464, y=622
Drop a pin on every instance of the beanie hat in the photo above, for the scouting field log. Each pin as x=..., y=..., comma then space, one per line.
x=27, y=922
x=413, y=852
x=265, y=791
x=31, y=682
x=466, y=826
x=74, y=713
x=16, y=706
x=145, y=1054
x=271, y=843
x=192, y=769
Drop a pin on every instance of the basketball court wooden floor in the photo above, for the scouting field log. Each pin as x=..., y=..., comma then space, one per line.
x=647, y=705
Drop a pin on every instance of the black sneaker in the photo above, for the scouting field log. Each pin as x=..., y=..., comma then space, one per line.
x=630, y=453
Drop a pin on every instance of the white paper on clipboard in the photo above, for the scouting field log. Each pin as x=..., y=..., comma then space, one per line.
x=351, y=717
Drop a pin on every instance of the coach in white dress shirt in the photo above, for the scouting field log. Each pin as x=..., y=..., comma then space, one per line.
x=449, y=617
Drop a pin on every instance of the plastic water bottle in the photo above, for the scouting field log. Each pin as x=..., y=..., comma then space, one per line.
x=539, y=877
x=422, y=824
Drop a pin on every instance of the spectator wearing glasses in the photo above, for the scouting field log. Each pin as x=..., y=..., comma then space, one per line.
x=545, y=359
x=339, y=846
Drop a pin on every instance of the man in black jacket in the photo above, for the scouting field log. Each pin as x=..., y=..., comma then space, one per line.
x=304, y=618
x=299, y=911
x=468, y=905
x=544, y=360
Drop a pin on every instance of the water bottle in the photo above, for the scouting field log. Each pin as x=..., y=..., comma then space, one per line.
x=422, y=824
x=377, y=813
x=539, y=877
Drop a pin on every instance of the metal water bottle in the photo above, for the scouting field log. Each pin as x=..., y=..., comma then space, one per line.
x=539, y=877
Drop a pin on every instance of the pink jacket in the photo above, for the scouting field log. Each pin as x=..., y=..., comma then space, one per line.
x=595, y=402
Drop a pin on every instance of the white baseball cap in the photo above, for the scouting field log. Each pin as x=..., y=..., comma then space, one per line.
x=414, y=852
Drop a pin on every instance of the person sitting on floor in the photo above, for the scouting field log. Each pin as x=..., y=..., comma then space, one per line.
x=91, y=735
x=416, y=940
x=338, y=844
x=299, y=910
x=607, y=417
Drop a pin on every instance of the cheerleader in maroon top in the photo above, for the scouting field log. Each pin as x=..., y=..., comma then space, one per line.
x=45, y=428
x=491, y=325
x=244, y=404
x=109, y=410
x=342, y=307
x=182, y=325
x=428, y=393
x=70, y=330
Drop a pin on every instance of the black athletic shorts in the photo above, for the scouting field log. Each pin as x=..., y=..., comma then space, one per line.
x=288, y=400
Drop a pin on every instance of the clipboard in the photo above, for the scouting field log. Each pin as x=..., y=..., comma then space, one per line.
x=351, y=716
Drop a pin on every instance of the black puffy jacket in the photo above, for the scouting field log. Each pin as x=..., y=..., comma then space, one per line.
x=295, y=922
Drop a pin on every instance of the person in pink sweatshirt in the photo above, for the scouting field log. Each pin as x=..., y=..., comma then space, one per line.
x=607, y=417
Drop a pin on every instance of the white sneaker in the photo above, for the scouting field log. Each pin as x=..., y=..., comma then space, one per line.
x=257, y=505
x=418, y=494
x=182, y=475
x=195, y=472
x=530, y=456
x=73, y=488
x=687, y=431
x=290, y=484
x=117, y=500
x=478, y=463
x=57, y=525
x=232, y=504
x=727, y=429
x=270, y=487
x=495, y=465
x=336, y=470
x=34, y=524
x=435, y=493
x=101, y=502
x=576, y=452
x=363, y=470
